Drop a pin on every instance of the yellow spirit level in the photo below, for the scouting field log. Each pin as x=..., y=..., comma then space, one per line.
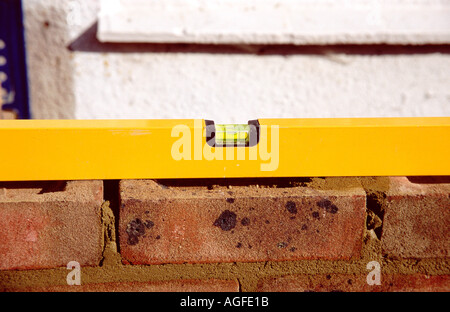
x=156, y=149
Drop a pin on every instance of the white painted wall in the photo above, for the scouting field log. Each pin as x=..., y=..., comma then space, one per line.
x=104, y=80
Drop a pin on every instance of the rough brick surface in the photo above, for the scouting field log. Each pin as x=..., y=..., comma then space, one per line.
x=211, y=285
x=417, y=218
x=355, y=283
x=161, y=224
x=48, y=224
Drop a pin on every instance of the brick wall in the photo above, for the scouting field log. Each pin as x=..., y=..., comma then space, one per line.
x=309, y=234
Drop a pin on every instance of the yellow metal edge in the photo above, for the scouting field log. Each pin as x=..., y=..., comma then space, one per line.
x=142, y=149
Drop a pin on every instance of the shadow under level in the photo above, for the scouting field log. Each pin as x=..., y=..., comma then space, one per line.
x=45, y=186
x=429, y=179
x=225, y=182
x=88, y=42
x=111, y=187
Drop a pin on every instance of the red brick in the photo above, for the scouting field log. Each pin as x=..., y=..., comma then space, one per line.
x=175, y=225
x=417, y=218
x=48, y=224
x=212, y=285
x=355, y=283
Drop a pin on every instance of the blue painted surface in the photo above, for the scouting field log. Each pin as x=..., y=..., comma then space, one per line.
x=14, y=72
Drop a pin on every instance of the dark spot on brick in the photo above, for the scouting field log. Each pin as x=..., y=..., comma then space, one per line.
x=291, y=207
x=267, y=221
x=230, y=200
x=315, y=215
x=149, y=224
x=239, y=245
x=135, y=229
x=304, y=227
x=194, y=193
x=328, y=276
x=333, y=209
x=147, y=212
x=133, y=240
x=46, y=24
x=292, y=249
x=230, y=192
x=226, y=221
x=350, y=282
x=250, y=246
x=282, y=245
x=327, y=205
x=245, y=221
x=158, y=237
x=292, y=218
x=252, y=208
